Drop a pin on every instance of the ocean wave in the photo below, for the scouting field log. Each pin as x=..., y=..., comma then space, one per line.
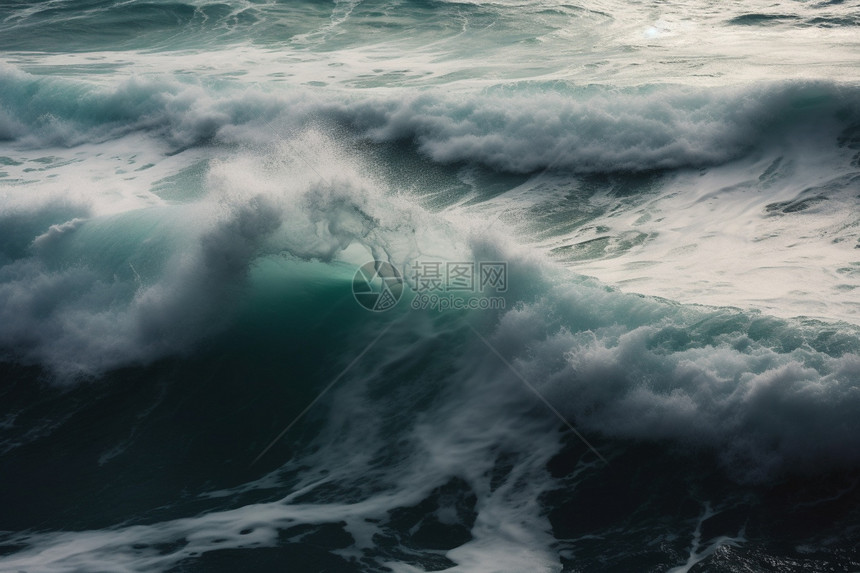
x=522, y=129
x=448, y=437
x=767, y=396
x=81, y=294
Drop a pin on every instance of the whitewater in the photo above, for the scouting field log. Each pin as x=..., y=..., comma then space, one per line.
x=656, y=204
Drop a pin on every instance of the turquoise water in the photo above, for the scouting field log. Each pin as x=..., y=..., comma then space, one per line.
x=666, y=380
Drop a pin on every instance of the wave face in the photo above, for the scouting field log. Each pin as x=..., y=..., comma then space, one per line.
x=662, y=375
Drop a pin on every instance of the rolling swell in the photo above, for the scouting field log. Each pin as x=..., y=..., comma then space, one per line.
x=595, y=130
